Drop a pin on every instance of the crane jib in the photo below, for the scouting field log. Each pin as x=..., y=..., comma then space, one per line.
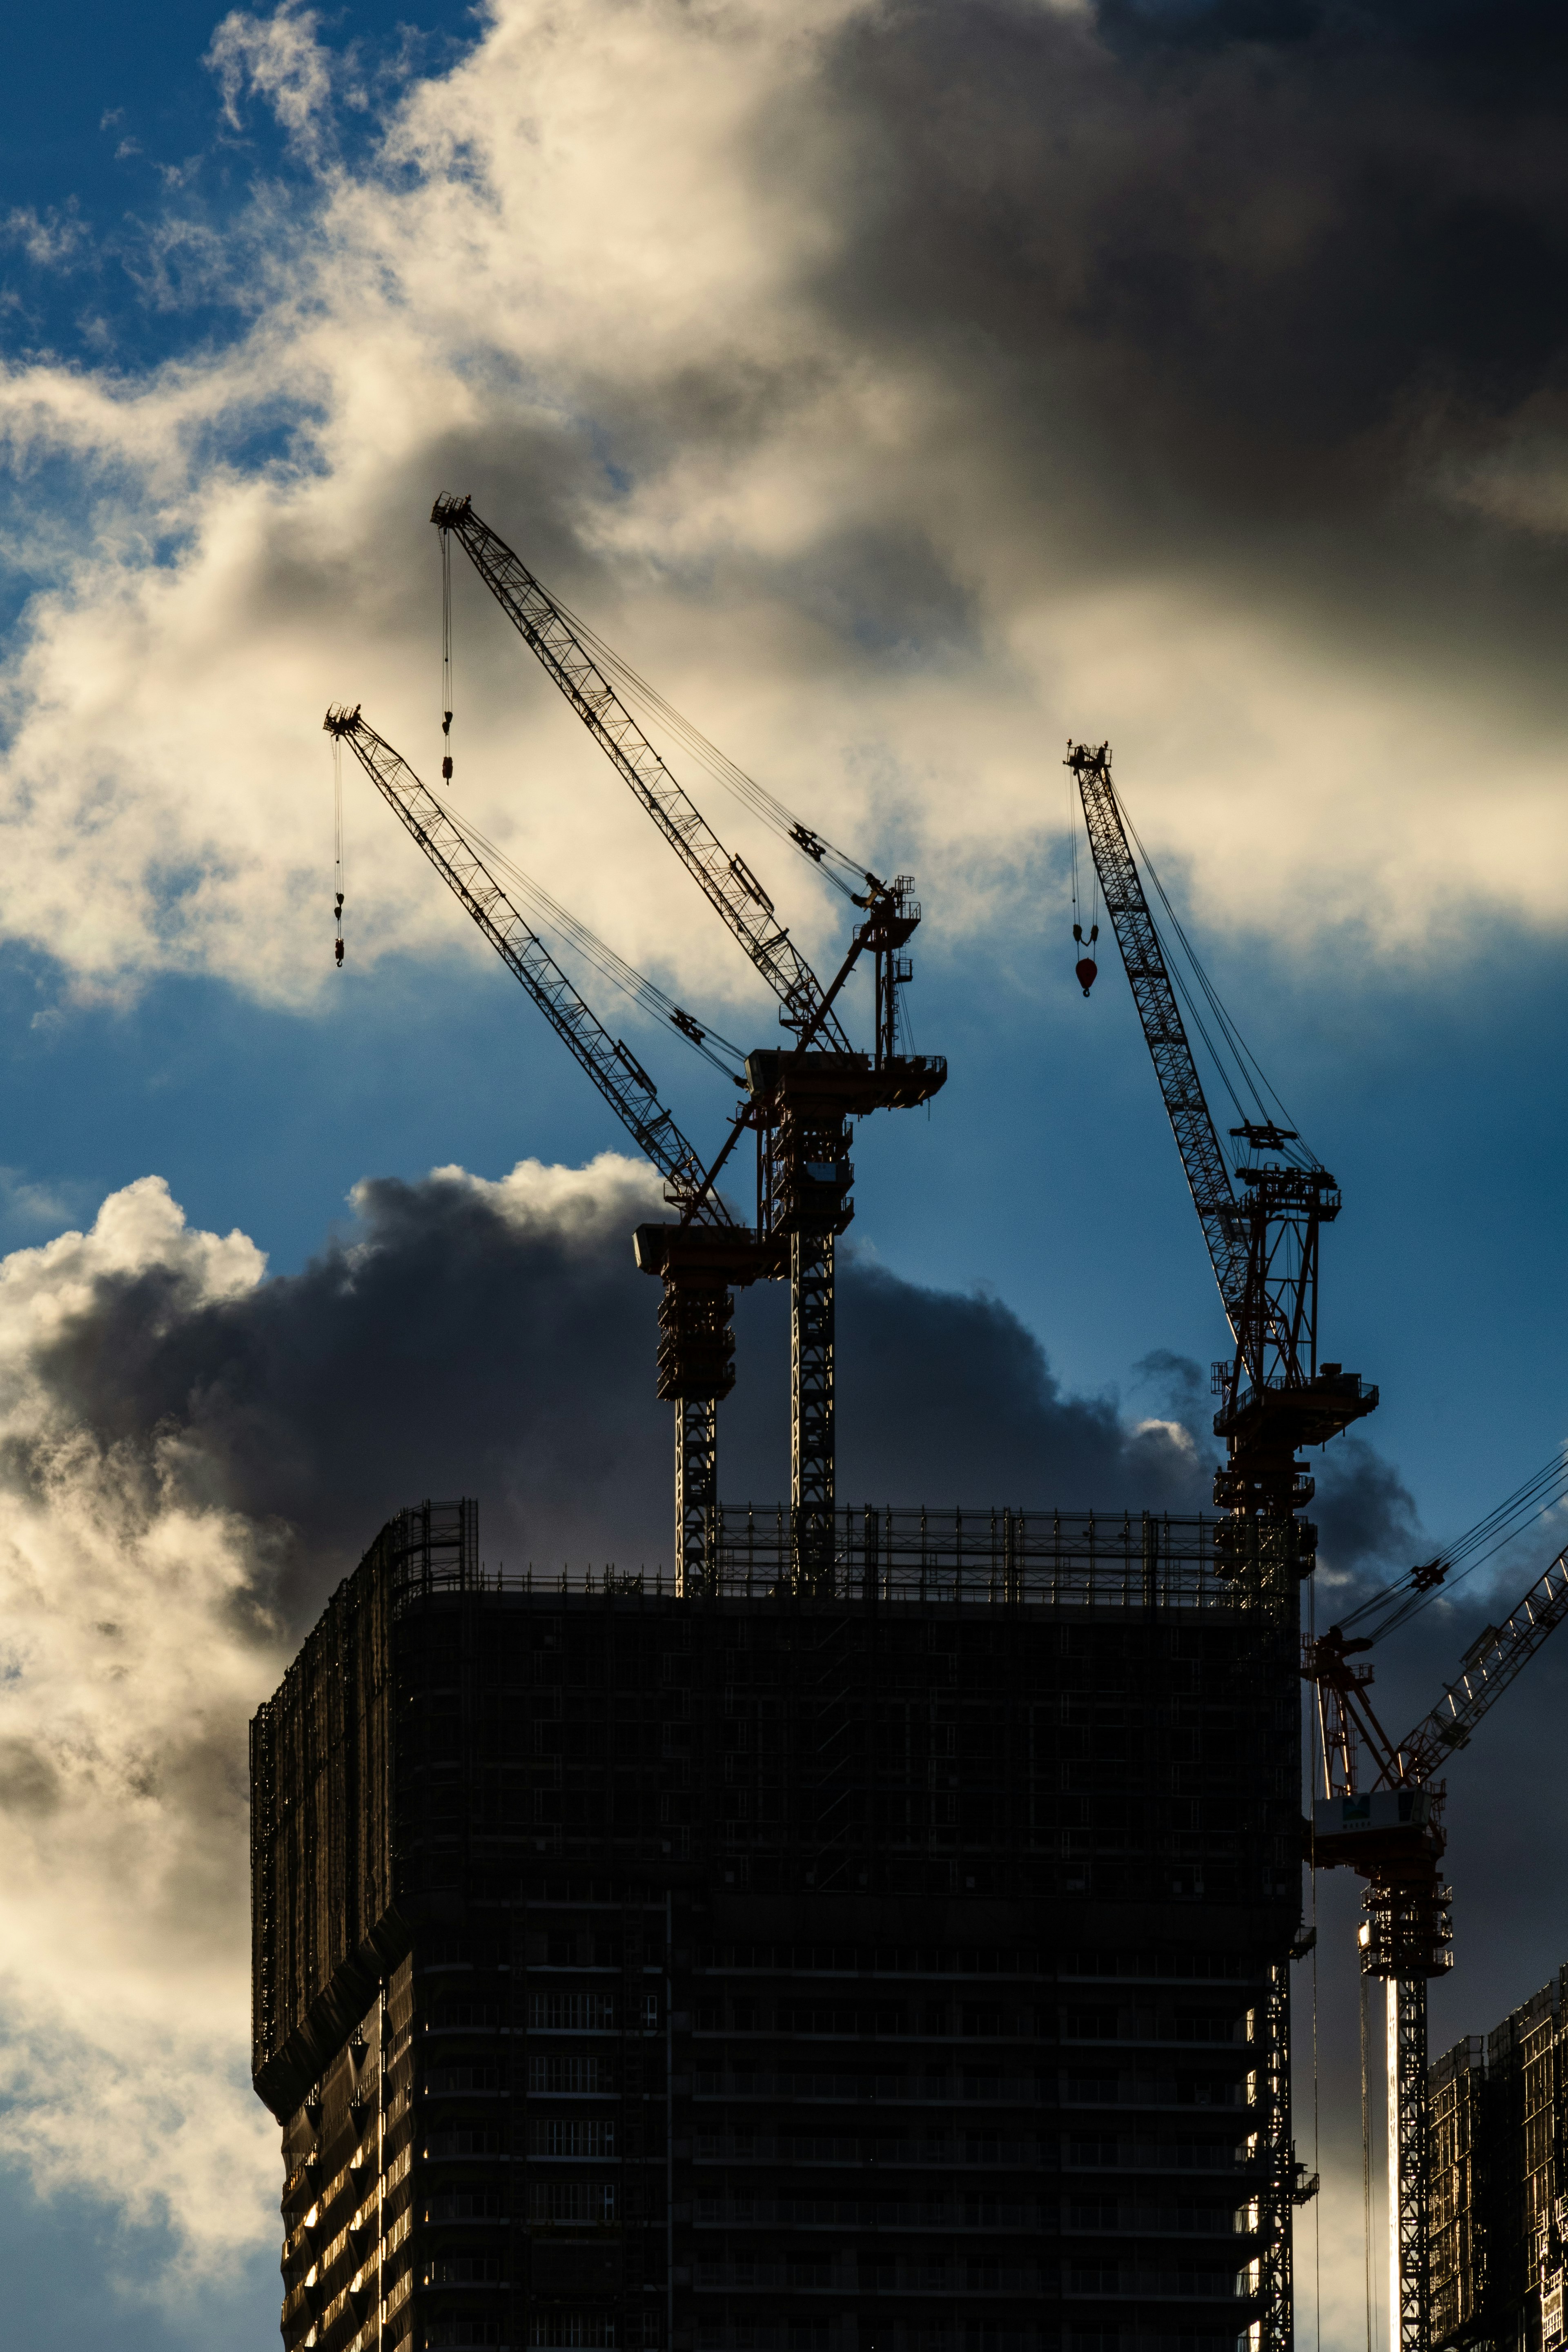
x=1489, y=1671
x=632, y=1098
x=725, y=881
x=1180, y=1088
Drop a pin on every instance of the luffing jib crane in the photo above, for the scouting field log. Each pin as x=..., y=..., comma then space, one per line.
x=704, y=1256
x=802, y=1098
x=1262, y=1228
x=1263, y=1240
x=1391, y=1833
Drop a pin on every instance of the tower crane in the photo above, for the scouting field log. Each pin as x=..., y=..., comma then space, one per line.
x=1262, y=1229
x=1263, y=1240
x=803, y=1096
x=707, y=1252
x=1391, y=1833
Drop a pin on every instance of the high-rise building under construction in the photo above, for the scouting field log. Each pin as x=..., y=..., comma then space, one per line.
x=899, y=1965
x=1498, y=2181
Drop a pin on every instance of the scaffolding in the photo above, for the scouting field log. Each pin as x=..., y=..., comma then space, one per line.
x=947, y=1912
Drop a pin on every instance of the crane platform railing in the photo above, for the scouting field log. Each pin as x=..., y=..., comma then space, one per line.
x=887, y=1554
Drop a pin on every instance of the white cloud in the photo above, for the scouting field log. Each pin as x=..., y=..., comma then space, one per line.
x=279, y=58
x=584, y=277
x=131, y=1656
x=137, y=1637
x=53, y=239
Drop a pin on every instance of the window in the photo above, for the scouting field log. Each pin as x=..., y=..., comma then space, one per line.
x=571, y=2138
x=566, y=2331
x=466, y=2205
x=584, y=2202
x=468, y=2142
x=463, y=2270
x=445, y=2082
x=573, y=2012
x=571, y=2077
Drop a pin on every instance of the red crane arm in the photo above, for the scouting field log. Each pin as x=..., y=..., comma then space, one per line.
x=727, y=882
x=614, y=1070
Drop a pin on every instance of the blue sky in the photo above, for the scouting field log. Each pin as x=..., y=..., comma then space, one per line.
x=895, y=460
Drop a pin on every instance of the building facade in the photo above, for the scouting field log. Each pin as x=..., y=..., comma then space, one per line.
x=903, y=1969
x=1498, y=2105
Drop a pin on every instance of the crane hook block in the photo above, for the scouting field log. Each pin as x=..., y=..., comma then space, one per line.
x=339, y=945
x=1087, y=971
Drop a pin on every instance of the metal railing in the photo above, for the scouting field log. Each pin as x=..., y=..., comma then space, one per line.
x=887, y=1553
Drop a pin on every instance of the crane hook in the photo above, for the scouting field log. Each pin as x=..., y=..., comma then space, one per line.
x=1087, y=969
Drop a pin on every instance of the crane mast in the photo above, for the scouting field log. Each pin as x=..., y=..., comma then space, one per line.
x=703, y=1257
x=1390, y=1835
x=803, y=1097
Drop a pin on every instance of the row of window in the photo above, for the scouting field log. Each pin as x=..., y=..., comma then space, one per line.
x=906, y=2277
x=590, y=2013
x=973, y=2148
x=978, y=2212
x=967, y=2088
x=882, y=1959
x=839, y=2020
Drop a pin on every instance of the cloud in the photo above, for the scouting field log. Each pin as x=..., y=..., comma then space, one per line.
x=52, y=239
x=1366, y=1517
x=279, y=58
x=902, y=389
x=192, y=1455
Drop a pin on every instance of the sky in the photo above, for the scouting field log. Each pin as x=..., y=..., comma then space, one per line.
x=905, y=391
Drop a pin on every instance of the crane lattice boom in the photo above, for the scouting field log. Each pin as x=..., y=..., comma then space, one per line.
x=1186, y=1106
x=1489, y=1665
x=612, y=1067
x=727, y=881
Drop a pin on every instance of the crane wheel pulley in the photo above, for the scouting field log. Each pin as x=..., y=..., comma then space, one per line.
x=1087, y=969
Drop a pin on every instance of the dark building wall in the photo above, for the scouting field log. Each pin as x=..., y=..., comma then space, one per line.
x=801, y=1975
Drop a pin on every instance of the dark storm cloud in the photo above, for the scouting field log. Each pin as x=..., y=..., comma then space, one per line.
x=1224, y=278
x=449, y=1347
x=1367, y=1522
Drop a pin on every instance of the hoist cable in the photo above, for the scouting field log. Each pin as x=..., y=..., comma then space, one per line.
x=447, y=695
x=845, y=873
x=1314, y=1734
x=338, y=843
x=1405, y=1597
x=594, y=950
x=1249, y=1071
x=1366, y=2179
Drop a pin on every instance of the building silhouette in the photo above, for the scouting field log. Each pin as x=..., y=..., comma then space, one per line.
x=901, y=1968
x=1498, y=2157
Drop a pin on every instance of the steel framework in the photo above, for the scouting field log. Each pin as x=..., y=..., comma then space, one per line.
x=1263, y=1243
x=1406, y=1936
x=699, y=1259
x=726, y=881
x=821, y=1079
x=723, y=1947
